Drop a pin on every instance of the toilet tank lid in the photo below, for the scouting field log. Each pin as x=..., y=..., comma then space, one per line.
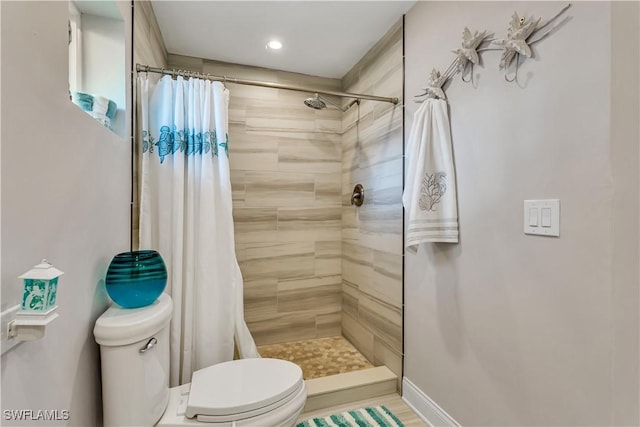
x=121, y=326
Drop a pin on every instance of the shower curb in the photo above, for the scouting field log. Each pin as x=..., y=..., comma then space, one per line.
x=349, y=387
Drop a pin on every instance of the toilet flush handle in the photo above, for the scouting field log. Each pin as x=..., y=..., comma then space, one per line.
x=149, y=345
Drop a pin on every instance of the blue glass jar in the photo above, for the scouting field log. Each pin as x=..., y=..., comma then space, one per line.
x=136, y=279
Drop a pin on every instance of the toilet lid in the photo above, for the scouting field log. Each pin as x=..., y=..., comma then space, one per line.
x=241, y=385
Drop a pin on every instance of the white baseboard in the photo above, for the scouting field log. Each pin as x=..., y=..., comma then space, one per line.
x=426, y=408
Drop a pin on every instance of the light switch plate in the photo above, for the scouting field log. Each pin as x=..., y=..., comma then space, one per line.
x=545, y=225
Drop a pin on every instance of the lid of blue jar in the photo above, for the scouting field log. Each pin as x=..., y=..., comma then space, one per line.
x=122, y=326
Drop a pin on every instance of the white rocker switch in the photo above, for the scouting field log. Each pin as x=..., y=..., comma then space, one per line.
x=546, y=217
x=533, y=217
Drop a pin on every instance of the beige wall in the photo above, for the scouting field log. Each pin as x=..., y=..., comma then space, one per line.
x=285, y=164
x=624, y=149
x=372, y=233
x=505, y=328
x=65, y=197
x=148, y=46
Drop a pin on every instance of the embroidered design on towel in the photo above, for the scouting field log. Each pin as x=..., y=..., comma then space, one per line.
x=433, y=188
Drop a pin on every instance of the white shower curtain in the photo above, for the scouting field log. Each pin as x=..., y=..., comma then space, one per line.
x=186, y=215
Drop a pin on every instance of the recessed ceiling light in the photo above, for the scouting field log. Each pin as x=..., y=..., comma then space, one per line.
x=274, y=45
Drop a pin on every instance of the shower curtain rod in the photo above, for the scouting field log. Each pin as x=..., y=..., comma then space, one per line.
x=186, y=73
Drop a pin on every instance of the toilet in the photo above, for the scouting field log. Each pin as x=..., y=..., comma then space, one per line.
x=134, y=351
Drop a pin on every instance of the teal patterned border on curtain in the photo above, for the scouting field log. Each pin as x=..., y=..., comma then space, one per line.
x=187, y=141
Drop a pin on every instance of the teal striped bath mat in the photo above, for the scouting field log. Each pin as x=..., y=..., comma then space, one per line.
x=372, y=416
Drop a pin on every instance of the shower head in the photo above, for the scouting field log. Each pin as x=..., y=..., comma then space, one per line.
x=315, y=103
x=319, y=103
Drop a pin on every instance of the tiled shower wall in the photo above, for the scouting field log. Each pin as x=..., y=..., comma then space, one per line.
x=313, y=265
x=372, y=234
x=285, y=173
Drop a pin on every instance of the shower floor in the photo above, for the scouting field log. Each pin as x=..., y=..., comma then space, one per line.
x=319, y=357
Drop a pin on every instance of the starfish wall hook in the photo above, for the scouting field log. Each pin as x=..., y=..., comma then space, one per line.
x=520, y=36
x=516, y=41
x=468, y=52
x=434, y=85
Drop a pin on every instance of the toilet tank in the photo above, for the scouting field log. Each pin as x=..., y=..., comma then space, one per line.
x=134, y=354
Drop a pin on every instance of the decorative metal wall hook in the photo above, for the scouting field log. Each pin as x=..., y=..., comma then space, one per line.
x=515, y=77
x=470, y=74
x=521, y=34
x=468, y=52
x=466, y=56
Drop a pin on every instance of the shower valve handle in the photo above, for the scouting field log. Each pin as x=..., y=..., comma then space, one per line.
x=357, y=197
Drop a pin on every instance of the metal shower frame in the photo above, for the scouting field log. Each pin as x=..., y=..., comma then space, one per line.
x=225, y=79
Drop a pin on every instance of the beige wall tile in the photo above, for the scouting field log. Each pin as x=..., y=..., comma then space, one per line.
x=277, y=260
x=283, y=327
x=315, y=153
x=361, y=338
x=310, y=295
x=273, y=115
x=329, y=258
x=385, y=355
x=329, y=325
x=251, y=151
x=278, y=189
x=286, y=162
x=387, y=278
x=309, y=224
x=260, y=299
x=372, y=234
x=255, y=224
x=357, y=264
x=328, y=189
x=237, y=187
x=185, y=62
x=350, y=295
x=384, y=320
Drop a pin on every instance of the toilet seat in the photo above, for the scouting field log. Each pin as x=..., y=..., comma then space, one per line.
x=243, y=389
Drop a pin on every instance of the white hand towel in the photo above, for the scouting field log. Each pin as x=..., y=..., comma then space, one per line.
x=430, y=187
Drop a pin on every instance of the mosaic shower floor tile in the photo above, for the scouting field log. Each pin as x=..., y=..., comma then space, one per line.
x=319, y=357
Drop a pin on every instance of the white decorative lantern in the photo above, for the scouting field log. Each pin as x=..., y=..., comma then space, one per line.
x=40, y=286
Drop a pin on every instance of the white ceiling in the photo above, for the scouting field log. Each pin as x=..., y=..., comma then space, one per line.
x=321, y=38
